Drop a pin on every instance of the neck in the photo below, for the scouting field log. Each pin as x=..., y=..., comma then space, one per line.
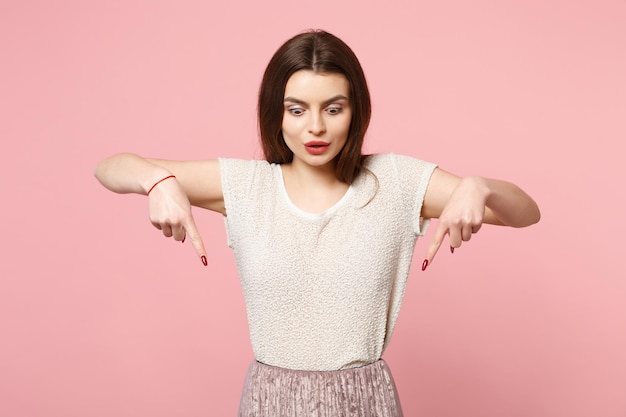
x=313, y=189
x=312, y=176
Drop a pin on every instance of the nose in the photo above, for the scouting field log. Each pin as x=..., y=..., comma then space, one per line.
x=316, y=125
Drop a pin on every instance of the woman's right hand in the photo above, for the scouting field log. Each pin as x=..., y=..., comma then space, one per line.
x=196, y=183
x=170, y=212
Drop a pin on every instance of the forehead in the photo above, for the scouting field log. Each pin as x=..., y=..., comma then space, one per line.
x=305, y=84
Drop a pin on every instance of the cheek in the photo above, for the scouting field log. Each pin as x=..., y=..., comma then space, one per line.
x=344, y=126
x=348, y=124
x=287, y=130
x=285, y=127
x=291, y=126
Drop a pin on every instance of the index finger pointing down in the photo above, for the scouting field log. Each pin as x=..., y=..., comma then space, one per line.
x=196, y=240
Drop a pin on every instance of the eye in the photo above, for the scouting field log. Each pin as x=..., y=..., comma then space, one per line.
x=295, y=111
x=334, y=110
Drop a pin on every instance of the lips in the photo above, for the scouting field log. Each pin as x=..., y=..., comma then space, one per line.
x=316, y=147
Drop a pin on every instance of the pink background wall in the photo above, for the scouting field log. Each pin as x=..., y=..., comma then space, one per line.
x=101, y=316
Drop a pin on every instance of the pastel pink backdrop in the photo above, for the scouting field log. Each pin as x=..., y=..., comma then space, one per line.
x=101, y=316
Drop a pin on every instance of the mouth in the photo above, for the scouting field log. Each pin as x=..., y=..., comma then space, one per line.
x=316, y=147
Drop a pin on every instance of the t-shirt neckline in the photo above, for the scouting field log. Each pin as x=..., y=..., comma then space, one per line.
x=302, y=213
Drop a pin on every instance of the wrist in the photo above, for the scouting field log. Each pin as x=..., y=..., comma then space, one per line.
x=150, y=181
x=481, y=185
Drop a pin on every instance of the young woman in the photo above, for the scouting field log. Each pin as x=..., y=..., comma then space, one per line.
x=323, y=235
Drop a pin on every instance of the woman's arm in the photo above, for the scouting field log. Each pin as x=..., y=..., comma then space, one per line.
x=130, y=173
x=196, y=183
x=462, y=205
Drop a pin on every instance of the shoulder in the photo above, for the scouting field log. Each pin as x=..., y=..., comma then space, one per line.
x=233, y=168
x=401, y=175
x=397, y=165
x=229, y=163
x=240, y=176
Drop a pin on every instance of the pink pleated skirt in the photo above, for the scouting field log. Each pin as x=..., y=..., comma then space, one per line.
x=368, y=391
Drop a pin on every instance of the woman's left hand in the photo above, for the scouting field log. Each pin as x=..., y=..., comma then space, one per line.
x=462, y=205
x=461, y=217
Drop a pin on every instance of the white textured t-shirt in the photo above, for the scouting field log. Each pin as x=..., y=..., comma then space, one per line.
x=323, y=291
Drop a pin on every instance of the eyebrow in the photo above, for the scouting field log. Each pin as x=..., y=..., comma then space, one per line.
x=325, y=102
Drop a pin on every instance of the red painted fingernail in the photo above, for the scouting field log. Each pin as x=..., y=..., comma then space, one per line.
x=184, y=237
x=424, y=264
x=451, y=249
x=204, y=260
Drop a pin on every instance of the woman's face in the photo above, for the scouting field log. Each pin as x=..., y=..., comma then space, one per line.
x=316, y=117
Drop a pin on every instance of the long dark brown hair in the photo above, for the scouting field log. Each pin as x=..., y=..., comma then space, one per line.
x=321, y=52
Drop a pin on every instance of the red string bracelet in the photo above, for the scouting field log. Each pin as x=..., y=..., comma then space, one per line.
x=158, y=182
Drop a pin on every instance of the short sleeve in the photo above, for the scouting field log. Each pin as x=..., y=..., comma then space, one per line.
x=236, y=181
x=413, y=176
x=244, y=185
